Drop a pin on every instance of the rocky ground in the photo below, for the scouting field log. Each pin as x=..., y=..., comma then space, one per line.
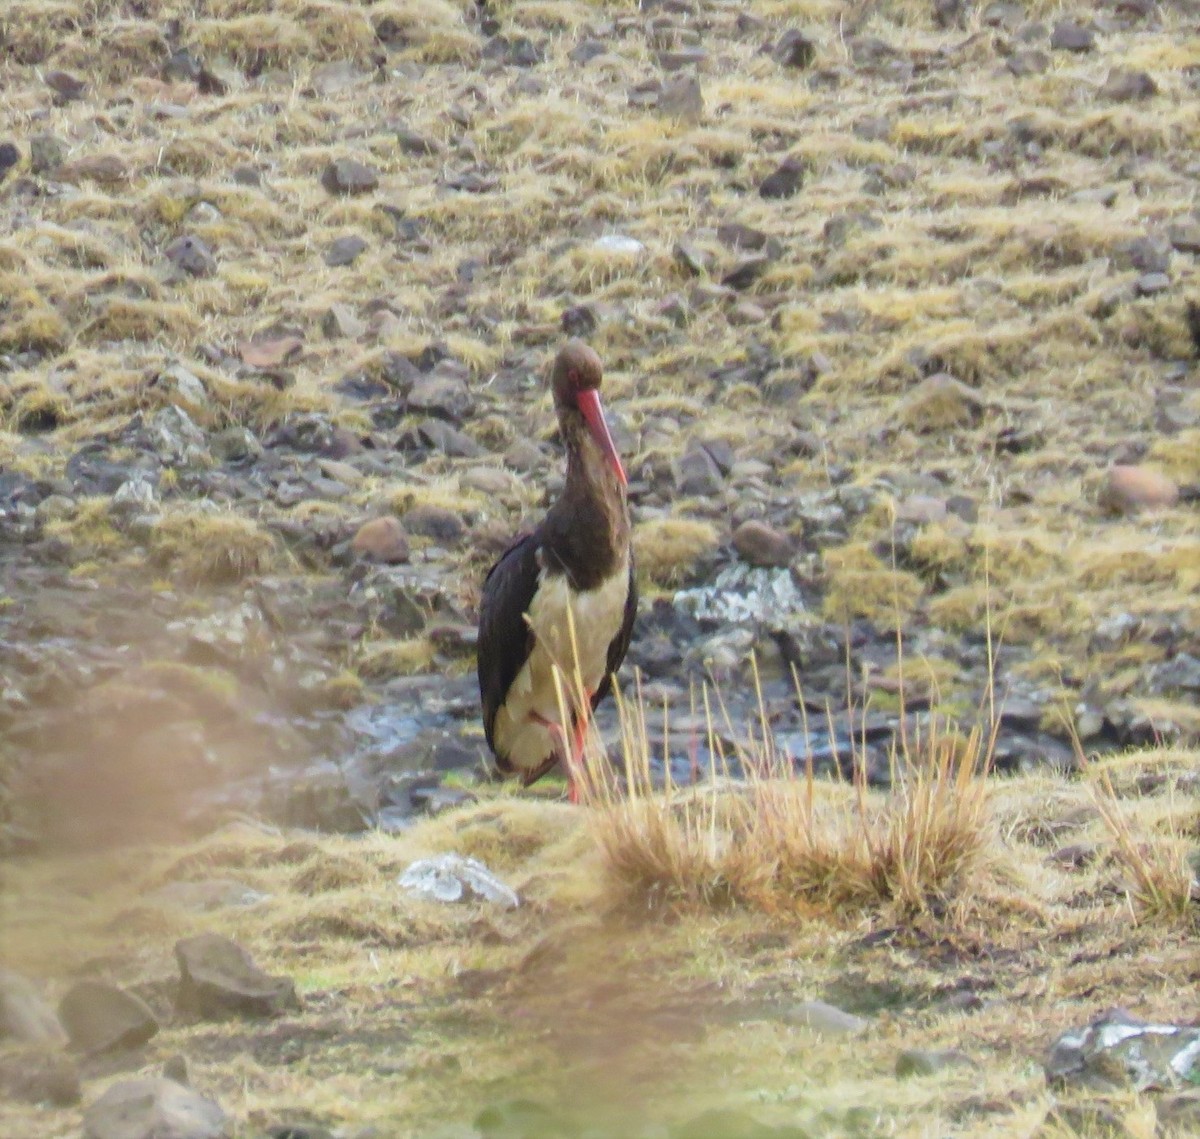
x=897, y=306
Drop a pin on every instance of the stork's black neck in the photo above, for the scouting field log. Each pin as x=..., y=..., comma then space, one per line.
x=585, y=534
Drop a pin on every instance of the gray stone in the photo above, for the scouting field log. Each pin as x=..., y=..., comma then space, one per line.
x=235, y=445
x=746, y=271
x=24, y=1013
x=1151, y=284
x=217, y=979
x=795, y=49
x=154, y=1108
x=925, y=1062
x=681, y=98
x=1071, y=36
x=36, y=1075
x=191, y=255
x=100, y=1017
x=823, y=1019
x=347, y=176
x=784, y=181
x=1120, y=1051
x=453, y=878
x=446, y=397
x=46, y=153
x=1185, y=237
x=696, y=473
x=1124, y=86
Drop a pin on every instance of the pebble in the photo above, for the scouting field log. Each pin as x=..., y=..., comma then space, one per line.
x=65, y=86
x=1071, y=36
x=218, y=978
x=681, y=98
x=696, y=473
x=435, y=522
x=104, y=169
x=924, y=1062
x=345, y=251
x=100, y=1017
x=1130, y=488
x=453, y=878
x=1126, y=86
x=795, y=49
x=46, y=153
x=746, y=271
x=1151, y=284
x=758, y=544
x=784, y=181
x=348, y=176
x=939, y=402
x=1184, y=237
x=25, y=1015
x=191, y=255
x=154, y=1108
x=9, y=157
x=382, y=540
x=34, y=1075
x=822, y=1018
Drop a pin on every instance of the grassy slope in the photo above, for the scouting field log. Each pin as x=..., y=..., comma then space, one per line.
x=1027, y=299
x=589, y=1001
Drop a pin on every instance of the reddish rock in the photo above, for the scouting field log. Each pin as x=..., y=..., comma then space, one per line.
x=761, y=545
x=381, y=540
x=1127, y=489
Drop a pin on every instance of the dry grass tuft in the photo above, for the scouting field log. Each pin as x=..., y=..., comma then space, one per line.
x=1160, y=878
x=669, y=549
x=213, y=548
x=783, y=841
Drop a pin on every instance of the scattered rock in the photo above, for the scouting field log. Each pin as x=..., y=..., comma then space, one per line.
x=1185, y=237
x=822, y=1018
x=24, y=1014
x=1071, y=36
x=696, y=473
x=192, y=256
x=785, y=181
x=922, y=1062
x=1129, y=488
x=795, y=49
x=348, y=176
x=939, y=402
x=37, y=1076
x=382, y=540
x=1027, y=61
x=758, y=544
x=681, y=98
x=1093, y=1120
x=435, y=522
x=9, y=157
x=105, y=169
x=1179, y=1115
x=446, y=397
x=453, y=878
x=1119, y=1051
x=65, y=86
x=746, y=271
x=1150, y=284
x=100, y=1017
x=154, y=1108
x=1124, y=86
x=218, y=979
x=46, y=153
x=176, y=1068
x=208, y=894
x=345, y=251
x=340, y=323
x=270, y=351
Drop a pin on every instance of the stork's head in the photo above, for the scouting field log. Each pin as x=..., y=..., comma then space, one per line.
x=576, y=385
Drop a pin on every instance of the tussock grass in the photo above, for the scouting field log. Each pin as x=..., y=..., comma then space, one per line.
x=784, y=842
x=212, y=547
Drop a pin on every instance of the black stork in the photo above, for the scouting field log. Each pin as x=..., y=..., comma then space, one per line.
x=562, y=596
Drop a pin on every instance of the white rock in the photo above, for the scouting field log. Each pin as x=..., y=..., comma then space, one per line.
x=453, y=878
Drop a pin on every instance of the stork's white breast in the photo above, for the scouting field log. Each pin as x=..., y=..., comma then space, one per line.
x=595, y=616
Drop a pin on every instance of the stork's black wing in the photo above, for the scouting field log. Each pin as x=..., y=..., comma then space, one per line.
x=620, y=643
x=505, y=639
